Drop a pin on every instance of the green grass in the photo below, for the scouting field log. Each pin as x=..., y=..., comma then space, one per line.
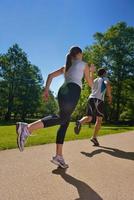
x=48, y=135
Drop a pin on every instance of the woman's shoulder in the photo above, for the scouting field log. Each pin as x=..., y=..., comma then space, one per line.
x=83, y=62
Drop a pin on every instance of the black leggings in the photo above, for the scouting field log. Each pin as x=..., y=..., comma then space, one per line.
x=68, y=97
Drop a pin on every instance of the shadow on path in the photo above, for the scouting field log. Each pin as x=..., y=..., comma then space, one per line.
x=111, y=151
x=85, y=192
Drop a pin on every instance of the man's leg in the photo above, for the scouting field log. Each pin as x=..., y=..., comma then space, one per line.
x=96, y=130
x=85, y=119
x=97, y=126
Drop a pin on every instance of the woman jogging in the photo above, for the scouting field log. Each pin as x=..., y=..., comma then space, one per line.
x=95, y=106
x=68, y=96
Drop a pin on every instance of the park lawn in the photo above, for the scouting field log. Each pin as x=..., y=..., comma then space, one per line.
x=48, y=135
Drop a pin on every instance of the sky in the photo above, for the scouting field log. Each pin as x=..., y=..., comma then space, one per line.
x=46, y=29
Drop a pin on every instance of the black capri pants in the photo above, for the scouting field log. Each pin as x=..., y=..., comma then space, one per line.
x=68, y=97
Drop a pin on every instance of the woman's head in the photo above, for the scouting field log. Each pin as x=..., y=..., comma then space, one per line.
x=75, y=53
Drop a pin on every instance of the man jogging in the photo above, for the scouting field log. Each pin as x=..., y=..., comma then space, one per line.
x=95, y=106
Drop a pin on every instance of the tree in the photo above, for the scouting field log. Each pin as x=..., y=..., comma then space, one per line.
x=114, y=49
x=3, y=85
x=21, y=87
x=21, y=83
x=47, y=108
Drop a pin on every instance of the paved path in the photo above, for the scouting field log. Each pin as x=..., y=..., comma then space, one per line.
x=95, y=173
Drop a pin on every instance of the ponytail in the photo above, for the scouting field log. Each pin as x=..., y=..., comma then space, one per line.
x=71, y=55
x=68, y=62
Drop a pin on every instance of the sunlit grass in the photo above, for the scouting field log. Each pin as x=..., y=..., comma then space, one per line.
x=48, y=135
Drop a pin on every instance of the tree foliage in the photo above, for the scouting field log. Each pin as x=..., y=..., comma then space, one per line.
x=21, y=85
x=114, y=50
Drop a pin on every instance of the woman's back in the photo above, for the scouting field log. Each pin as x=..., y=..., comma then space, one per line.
x=75, y=72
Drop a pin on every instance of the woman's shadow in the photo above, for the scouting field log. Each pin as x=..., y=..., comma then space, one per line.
x=85, y=192
x=111, y=151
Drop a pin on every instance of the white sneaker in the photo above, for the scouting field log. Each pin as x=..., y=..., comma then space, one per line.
x=59, y=160
x=22, y=134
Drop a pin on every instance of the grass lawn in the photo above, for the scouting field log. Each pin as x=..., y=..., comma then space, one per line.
x=48, y=135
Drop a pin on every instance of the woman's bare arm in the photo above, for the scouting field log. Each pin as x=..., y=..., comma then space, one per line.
x=49, y=80
x=53, y=75
x=89, y=74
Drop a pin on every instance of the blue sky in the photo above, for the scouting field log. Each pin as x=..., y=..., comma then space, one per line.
x=45, y=29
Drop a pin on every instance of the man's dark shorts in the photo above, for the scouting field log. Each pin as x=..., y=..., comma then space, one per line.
x=95, y=107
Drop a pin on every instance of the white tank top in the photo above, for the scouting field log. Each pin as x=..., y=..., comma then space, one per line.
x=99, y=88
x=75, y=72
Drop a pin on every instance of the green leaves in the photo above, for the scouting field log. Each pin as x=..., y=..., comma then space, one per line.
x=114, y=50
x=21, y=85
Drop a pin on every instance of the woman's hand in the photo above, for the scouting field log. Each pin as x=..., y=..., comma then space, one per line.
x=92, y=68
x=46, y=95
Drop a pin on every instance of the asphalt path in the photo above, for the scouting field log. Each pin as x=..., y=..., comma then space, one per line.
x=94, y=173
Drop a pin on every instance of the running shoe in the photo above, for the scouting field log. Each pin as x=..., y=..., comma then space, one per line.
x=95, y=141
x=77, y=127
x=59, y=160
x=22, y=134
